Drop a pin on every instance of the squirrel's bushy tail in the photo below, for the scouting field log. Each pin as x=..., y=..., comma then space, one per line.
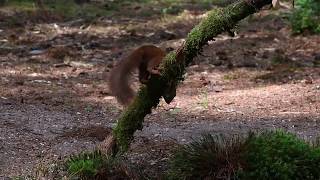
x=120, y=88
x=119, y=80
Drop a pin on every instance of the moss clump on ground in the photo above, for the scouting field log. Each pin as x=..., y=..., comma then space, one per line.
x=269, y=155
x=280, y=155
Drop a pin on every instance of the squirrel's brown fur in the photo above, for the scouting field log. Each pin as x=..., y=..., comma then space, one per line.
x=146, y=58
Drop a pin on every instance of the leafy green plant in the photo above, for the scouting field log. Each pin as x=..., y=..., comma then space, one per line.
x=306, y=16
x=88, y=165
x=204, y=99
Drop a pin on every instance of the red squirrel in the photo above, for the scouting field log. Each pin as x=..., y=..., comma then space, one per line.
x=146, y=59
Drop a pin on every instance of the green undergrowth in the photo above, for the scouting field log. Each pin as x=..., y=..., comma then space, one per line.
x=306, y=16
x=138, y=7
x=268, y=155
x=280, y=155
x=93, y=165
x=67, y=9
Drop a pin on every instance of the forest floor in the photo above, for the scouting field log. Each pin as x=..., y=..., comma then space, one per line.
x=54, y=98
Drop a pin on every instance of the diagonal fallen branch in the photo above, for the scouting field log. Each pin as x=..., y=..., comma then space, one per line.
x=173, y=68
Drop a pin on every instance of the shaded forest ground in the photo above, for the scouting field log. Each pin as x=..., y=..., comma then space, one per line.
x=54, y=100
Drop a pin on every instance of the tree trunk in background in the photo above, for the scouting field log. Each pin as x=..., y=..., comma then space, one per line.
x=173, y=68
x=39, y=4
x=43, y=12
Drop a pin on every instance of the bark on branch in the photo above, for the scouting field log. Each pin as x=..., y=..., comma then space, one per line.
x=173, y=67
